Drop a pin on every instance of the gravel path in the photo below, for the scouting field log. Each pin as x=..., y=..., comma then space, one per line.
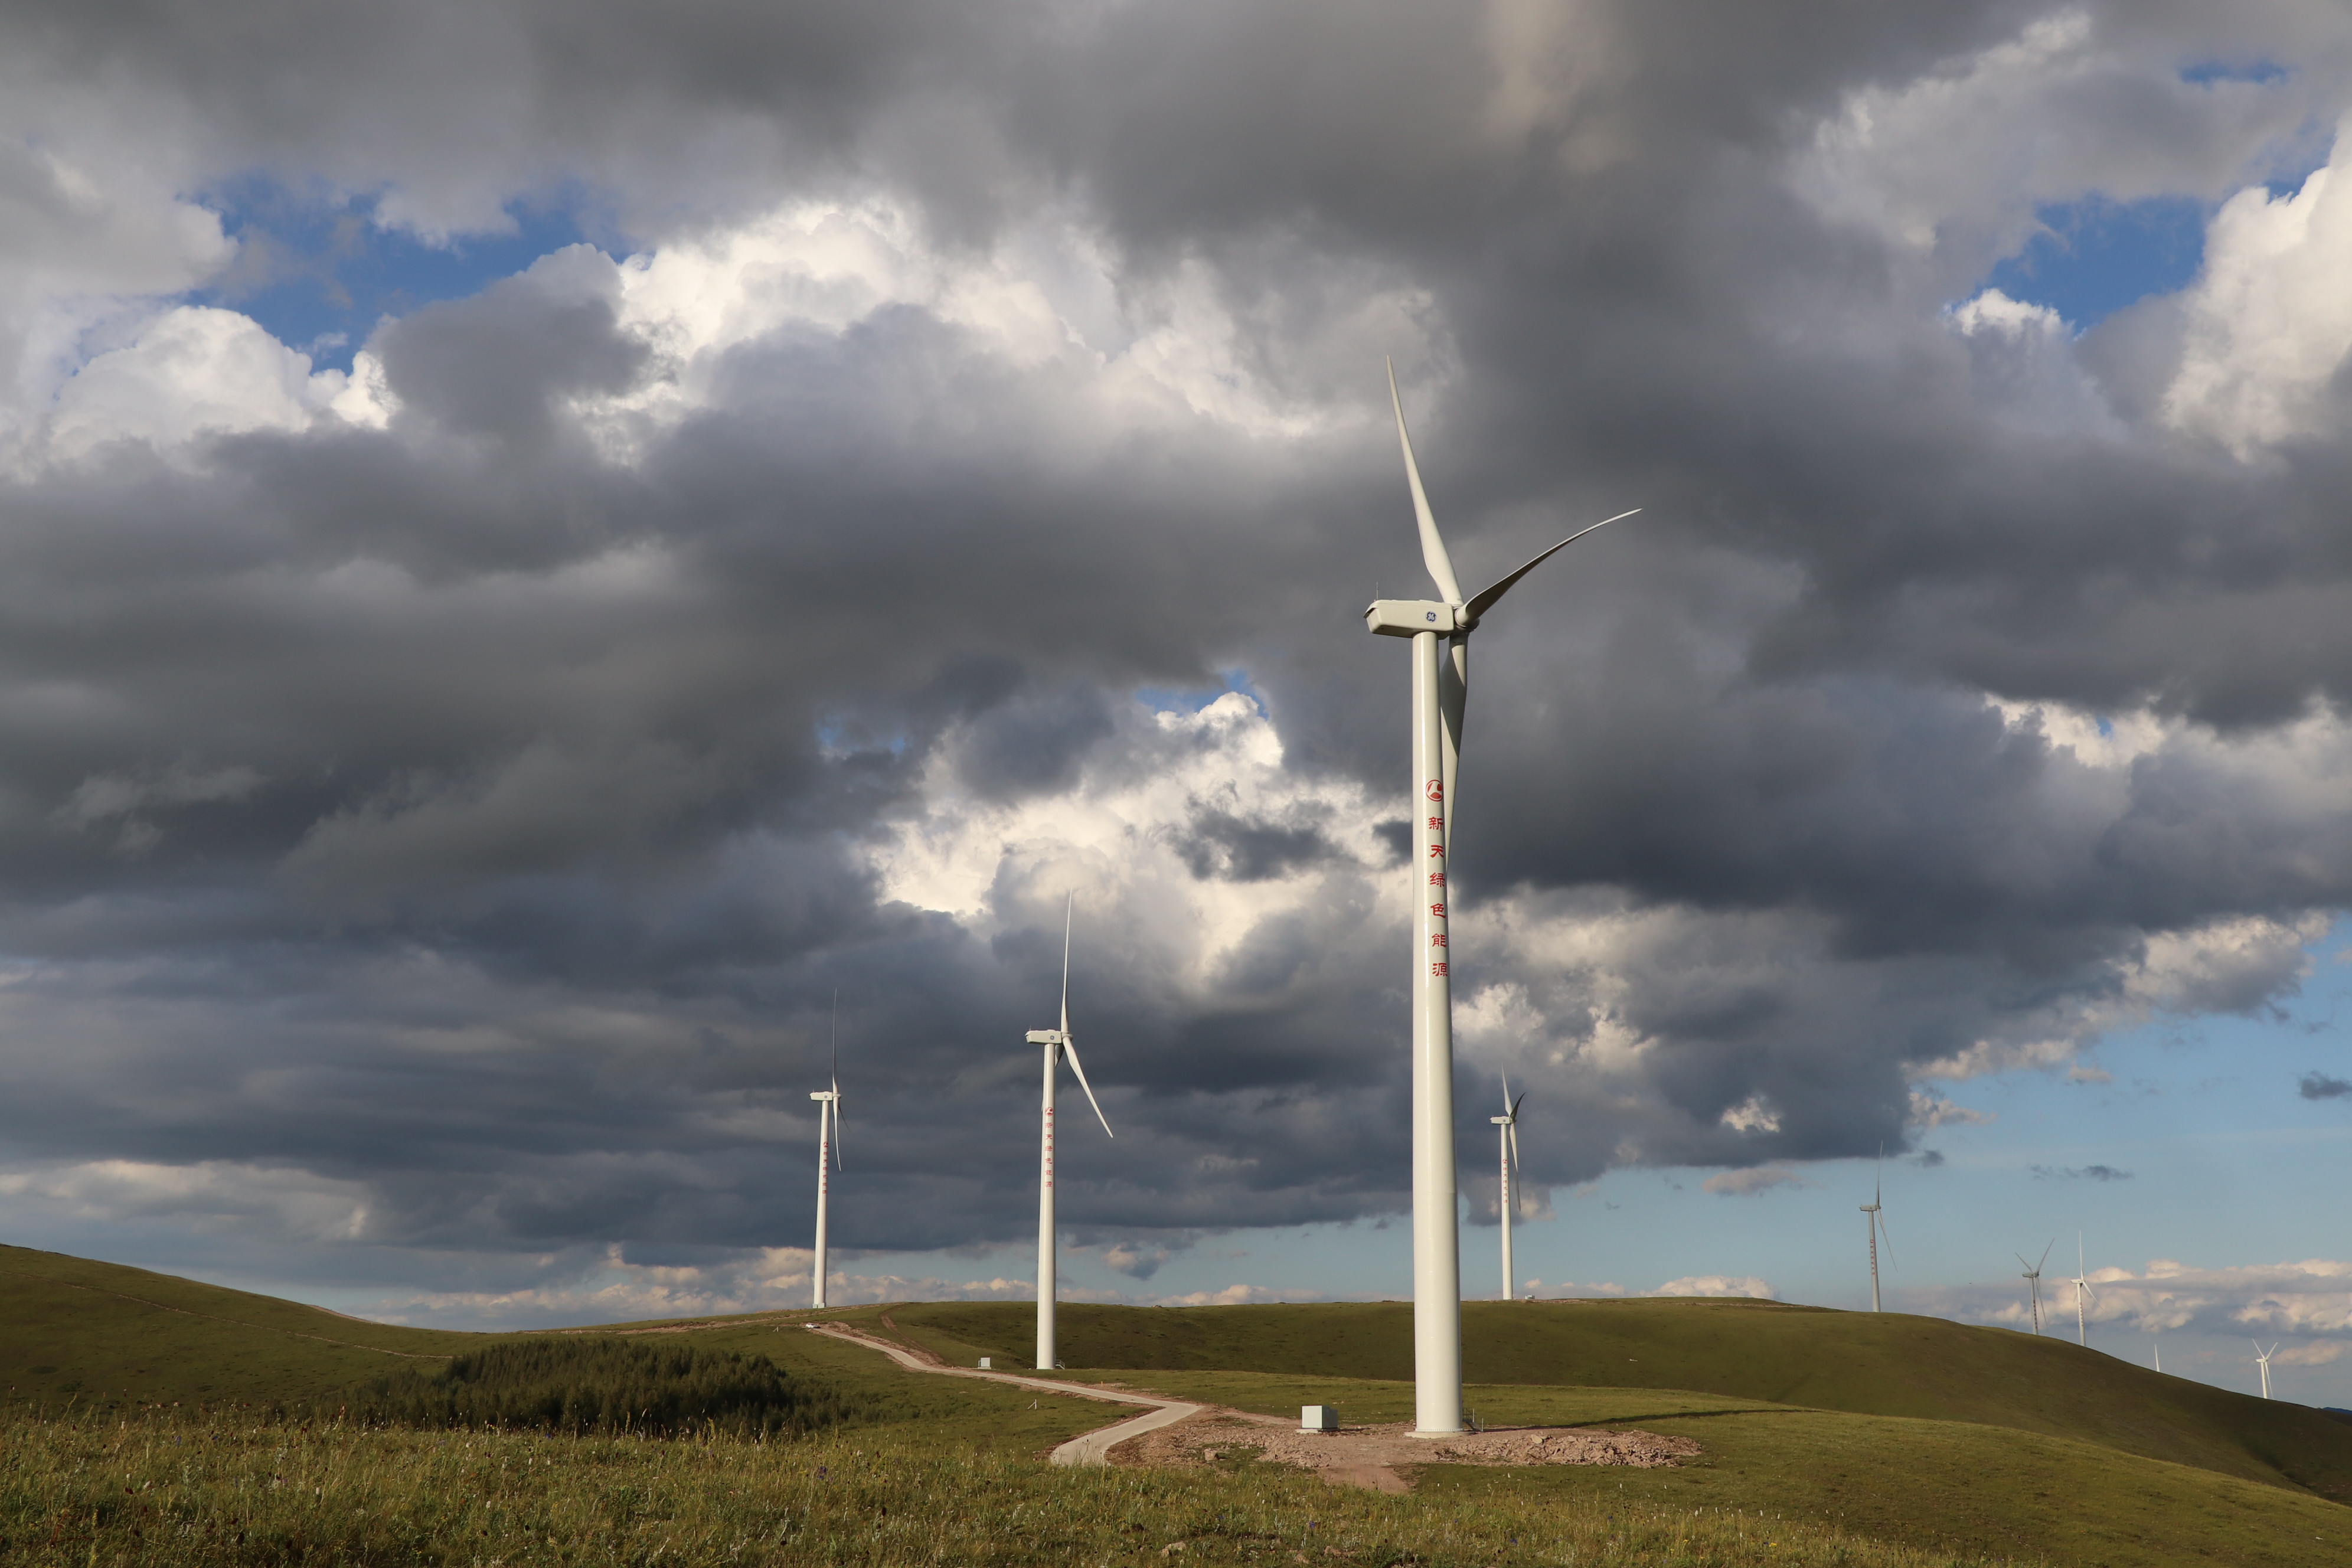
x=1175, y=1432
x=1092, y=1449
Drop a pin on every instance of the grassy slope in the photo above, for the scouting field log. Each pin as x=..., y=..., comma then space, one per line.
x=226, y=1493
x=1939, y=1486
x=1928, y=1484
x=72, y=1329
x=1880, y=1364
x=100, y=1333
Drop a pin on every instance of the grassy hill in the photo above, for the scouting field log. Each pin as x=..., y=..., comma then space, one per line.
x=1886, y=1364
x=1846, y=1438
x=1951, y=1487
x=74, y=1330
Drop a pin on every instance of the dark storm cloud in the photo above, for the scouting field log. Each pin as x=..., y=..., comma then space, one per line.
x=481, y=811
x=2081, y=1173
x=2319, y=1086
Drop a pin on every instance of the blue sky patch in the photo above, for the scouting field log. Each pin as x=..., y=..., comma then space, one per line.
x=319, y=274
x=2093, y=257
x=1191, y=699
x=2262, y=73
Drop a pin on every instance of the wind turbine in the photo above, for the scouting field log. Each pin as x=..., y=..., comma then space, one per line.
x=2082, y=1292
x=1441, y=688
x=1875, y=1223
x=1057, y=1043
x=1507, y=1134
x=2034, y=1281
x=2262, y=1360
x=828, y=1148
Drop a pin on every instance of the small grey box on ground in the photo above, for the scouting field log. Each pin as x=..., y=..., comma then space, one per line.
x=1318, y=1418
x=984, y=1360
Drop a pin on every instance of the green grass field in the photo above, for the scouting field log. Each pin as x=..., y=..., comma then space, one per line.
x=99, y=1332
x=1830, y=1438
x=1866, y=1364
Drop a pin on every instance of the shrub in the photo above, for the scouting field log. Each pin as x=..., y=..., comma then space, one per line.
x=605, y=1384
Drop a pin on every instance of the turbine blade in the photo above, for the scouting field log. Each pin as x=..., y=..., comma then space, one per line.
x=1506, y=1094
x=834, y=1106
x=2045, y=1253
x=1511, y=1130
x=1487, y=600
x=1433, y=545
x=1517, y=1103
x=1069, y=913
x=1075, y=1067
x=1886, y=1236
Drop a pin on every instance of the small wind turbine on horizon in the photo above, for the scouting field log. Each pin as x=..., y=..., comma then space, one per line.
x=1057, y=1043
x=2262, y=1360
x=2082, y=1292
x=828, y=1150
x=1441, y=688
x=1875, y=1222
x=1506, y=1126
x=2033, y=1282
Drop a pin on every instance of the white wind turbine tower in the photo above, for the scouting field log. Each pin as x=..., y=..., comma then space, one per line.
x=1057, y=1043
x=1875, y=1223
x=2034, y=1281
x=1507, y=1128
x=1440, y=694
x=2262, y=1360
x=828, y=1149
x=2082, y=1292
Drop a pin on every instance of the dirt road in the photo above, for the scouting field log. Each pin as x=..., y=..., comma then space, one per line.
x=1093, y=1448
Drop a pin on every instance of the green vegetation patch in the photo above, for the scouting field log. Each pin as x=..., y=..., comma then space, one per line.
x=605, y=1384
x=85, y=1334
x=1936, y=1486
x=181, y=1494
x=1882, y=1364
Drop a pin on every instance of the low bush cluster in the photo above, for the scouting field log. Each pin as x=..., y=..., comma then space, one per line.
x=605, y=1385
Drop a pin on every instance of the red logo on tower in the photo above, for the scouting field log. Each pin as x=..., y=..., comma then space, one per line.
x=1436, y=790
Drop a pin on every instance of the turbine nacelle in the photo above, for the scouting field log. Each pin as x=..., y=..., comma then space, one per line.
x=1411, y=617
x=1047, y=1037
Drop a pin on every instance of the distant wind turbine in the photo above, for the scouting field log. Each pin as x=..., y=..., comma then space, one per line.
x=2262, y=1360
x=1057, y=1044
x=1875, y=1222
x=2156, y=1344
x=828, y=1149
x=1441, y=688
x=2034, y=1281
x=1507, y=1134
x=2082, y=1293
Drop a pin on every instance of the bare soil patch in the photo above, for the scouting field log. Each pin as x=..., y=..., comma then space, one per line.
x=1377, y=1456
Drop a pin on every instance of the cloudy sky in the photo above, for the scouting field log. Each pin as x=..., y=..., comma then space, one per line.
x=540, y=543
